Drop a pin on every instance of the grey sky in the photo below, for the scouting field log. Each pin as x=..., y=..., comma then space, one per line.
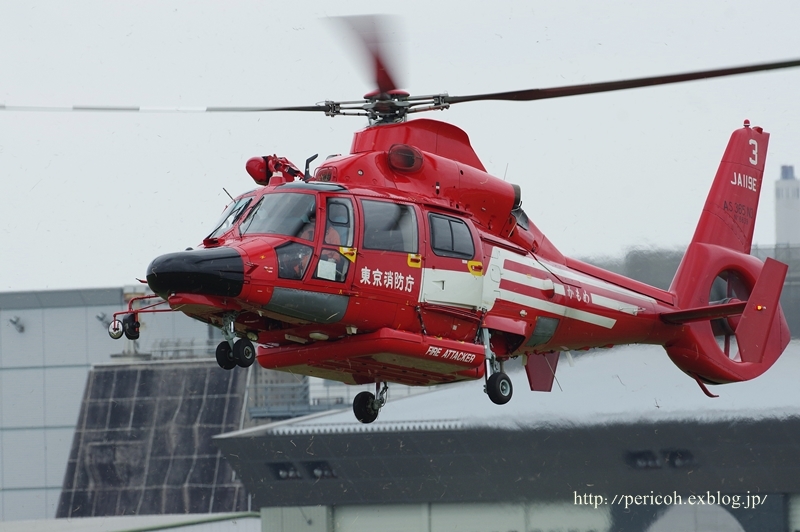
x=90, y=199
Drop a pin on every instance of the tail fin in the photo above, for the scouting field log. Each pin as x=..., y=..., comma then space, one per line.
x=718, y=269
x=729, y=215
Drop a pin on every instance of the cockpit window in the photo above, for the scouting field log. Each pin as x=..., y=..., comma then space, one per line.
x=287, y=214
x=293, y=259
x=229, y=216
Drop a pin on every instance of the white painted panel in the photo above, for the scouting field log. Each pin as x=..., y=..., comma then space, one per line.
x=23, y=459
x=65, y=336
x=296, y=519
x=700, y=518
x=58, y=443
x=246, y=524
x=53, y=494
x=21, y=505
x=22, y=393
x=568, y=516
x=477, y=517
x=63, y=392
x=386, y=518
x=21, y=348
x=452, y=288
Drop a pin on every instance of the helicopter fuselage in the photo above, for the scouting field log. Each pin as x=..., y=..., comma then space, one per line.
x=391, y=262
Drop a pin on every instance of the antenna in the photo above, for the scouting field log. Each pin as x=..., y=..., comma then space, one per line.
x=308, y=163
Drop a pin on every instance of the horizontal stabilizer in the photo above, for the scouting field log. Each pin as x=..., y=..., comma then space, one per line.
x=709, y=312
x=753, y=330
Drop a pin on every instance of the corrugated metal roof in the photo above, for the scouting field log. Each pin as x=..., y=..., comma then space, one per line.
x=621, y=385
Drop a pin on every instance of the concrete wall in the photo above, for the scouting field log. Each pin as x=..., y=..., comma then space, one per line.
x=436, y=517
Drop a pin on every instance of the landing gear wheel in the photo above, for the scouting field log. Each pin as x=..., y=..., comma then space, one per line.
x=225, y=356
x=130, y=326
x=244, y=353
x=364, y=407
x=499, y=388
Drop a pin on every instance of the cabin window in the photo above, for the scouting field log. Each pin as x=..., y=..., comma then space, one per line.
x=450, y=237
x=389, y=226
x=339, y=222
x=282, y=213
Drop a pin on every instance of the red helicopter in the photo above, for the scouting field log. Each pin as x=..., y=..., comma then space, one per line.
x=404, y=261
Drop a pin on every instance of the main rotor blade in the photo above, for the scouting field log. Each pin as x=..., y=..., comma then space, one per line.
x=608, y=86
x=145, y=109
x=371, y=31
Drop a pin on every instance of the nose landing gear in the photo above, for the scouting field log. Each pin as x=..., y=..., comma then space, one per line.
x=242, y=354
x=232, y=352
x=225, y=355
x=366, y=407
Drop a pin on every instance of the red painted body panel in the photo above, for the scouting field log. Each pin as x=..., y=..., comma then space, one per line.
x=432, y=136
x=729, y=215
x=408, y=358
x=622, y=281
x=753, y=329
x=541, y=371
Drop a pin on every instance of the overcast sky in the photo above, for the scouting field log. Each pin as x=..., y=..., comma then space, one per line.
x=89, y=199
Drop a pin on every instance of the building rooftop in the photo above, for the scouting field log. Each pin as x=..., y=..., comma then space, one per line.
x=85, y=297
x=137, y=523
x=627, y=421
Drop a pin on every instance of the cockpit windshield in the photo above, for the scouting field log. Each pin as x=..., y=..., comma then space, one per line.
x=229, y=217
x=283, y=213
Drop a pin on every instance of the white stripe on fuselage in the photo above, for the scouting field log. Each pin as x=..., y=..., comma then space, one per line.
x=564, y=273
x=499, y=256
x=453, y=291
x=547, y=306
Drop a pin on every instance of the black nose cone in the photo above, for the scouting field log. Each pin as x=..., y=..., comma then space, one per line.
x=211, y=272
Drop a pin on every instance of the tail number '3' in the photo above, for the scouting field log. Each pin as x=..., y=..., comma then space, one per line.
x=754, y=158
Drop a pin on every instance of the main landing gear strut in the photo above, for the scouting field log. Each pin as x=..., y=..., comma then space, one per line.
x=498, y=386
x=366, y=406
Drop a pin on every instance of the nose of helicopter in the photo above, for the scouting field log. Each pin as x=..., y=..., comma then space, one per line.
x=213, y=272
